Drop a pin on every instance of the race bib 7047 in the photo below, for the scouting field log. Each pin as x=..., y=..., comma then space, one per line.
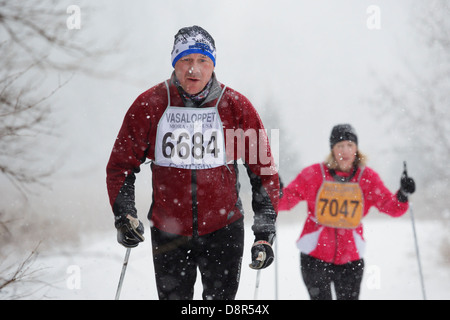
x=339, y=205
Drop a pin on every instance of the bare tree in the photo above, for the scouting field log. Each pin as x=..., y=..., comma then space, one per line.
x=37, y=42
x=21, y=272
x=417, y=102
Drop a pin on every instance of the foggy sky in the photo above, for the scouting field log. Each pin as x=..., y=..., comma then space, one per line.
x=315, y=63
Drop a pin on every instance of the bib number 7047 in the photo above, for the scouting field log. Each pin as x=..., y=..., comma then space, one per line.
x=333, y=207
x=339, y=205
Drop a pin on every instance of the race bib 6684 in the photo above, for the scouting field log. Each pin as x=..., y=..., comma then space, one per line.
x=190, y=138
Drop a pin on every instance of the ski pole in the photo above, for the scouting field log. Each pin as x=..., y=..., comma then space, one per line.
x=261, y=257
x=276, y=269
x=411, y=213
x=417, y=253
x=258, y=277
x=122, y=274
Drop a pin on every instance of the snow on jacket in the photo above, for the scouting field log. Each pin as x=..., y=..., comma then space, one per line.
x=337, y=245
x=192, y=202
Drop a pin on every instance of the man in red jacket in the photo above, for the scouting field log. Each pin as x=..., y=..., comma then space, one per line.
x=194, y=130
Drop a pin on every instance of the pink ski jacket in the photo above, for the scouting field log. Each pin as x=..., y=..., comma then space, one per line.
x=337, y=245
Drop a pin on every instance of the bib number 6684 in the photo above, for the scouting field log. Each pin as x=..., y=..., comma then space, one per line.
x=181, y=145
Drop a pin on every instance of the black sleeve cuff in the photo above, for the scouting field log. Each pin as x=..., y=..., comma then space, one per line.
x=401, y=196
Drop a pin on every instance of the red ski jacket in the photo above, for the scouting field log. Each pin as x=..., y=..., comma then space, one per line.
x=331, y=244
x=189, y=201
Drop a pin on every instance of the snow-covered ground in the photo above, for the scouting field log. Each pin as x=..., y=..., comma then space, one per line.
x=92, y=269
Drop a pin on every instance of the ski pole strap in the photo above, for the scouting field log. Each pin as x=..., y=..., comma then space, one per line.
x=261, y=242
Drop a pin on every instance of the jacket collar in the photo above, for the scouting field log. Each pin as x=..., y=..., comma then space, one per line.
x=214, y=92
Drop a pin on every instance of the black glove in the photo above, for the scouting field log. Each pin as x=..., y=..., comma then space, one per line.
x=407, y=187
x=262, y=254
x=129, y=231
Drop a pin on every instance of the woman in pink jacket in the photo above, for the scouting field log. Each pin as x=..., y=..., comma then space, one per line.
x=339, y=193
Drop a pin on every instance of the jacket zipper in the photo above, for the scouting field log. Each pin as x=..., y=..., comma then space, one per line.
x=194, y=204
x=335, y=245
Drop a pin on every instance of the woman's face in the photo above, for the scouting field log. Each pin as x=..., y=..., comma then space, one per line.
x=344, y=153
x=194, y=72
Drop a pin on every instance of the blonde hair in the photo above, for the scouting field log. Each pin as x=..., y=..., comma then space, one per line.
x=360, y=160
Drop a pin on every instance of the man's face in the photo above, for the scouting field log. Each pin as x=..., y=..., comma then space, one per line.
x=194, y=71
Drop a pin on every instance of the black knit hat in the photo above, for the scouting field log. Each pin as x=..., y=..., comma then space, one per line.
x=342, y=132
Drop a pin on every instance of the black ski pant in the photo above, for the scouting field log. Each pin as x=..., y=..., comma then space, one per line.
x=318, y=276
x=217, y=255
